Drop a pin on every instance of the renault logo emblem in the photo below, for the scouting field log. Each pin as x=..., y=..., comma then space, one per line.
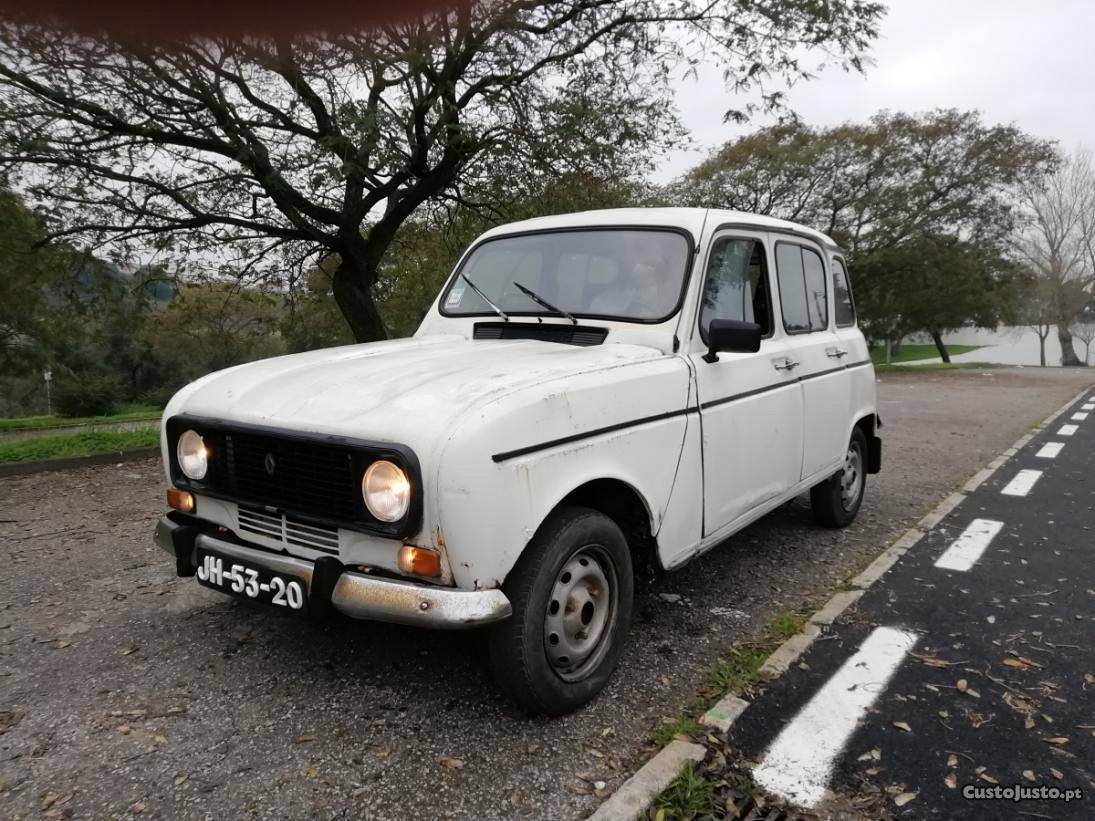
x=270, y=464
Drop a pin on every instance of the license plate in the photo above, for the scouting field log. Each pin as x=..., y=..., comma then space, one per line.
x=240, y=578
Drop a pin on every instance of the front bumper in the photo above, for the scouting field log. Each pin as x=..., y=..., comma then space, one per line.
x=354, y=594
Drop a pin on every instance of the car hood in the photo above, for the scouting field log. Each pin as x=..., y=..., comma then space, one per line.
x=398, y=391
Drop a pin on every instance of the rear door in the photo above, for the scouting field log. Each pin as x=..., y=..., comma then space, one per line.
x=750, y=403
x=815, y=349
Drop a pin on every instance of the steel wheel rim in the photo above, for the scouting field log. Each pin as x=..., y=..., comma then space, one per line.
x=581, y=613
x=851, y=478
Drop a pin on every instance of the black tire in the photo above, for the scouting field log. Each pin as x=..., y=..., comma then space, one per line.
x=833, y=506
x=545, y=679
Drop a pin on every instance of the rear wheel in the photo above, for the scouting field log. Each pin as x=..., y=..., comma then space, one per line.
x=571, y=593
x=836, y=501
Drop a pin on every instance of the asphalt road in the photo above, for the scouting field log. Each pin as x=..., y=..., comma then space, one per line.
x=125, y=691
x=992, y=688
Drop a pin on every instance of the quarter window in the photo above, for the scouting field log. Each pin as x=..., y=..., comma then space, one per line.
x=802, y=288
x=842, y=295
x=735, y=285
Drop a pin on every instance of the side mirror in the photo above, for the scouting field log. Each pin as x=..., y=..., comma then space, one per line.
x=731, y=335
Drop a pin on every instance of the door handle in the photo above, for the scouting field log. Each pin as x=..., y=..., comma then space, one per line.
x=785, y=365
x=836, y=353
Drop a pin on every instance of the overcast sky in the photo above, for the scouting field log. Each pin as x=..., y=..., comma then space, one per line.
x=1028, y=63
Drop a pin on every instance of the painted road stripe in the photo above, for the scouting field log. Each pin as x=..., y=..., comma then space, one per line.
x=800, y=761
x=1079, y=417
x=1050, y=450
x=1088, y=407
x=967, y=548
x=1068, y=430
x=1022, y=483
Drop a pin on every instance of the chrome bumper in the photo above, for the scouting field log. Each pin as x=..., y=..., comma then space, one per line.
x=365, y=597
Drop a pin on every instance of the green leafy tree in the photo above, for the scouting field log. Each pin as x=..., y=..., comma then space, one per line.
x=889, y=190
x=274, y=154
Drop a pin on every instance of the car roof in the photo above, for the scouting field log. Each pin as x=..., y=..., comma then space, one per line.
x=691, y=220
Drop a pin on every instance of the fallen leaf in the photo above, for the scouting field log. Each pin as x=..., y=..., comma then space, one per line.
x=124, y=729
x=607, y=731
x=986, y=777
x=934, y=662
x=129, y=651
x=952, y=760
x=1056, y=740
x=305, y=739
x=1057, y=773
x=515, y=797
x=1018, y=663
x=48, y=800
x=159, y=739
x=531, y=748
x=972, y=693
x=311, y=772
x=962, y=685
x=1089, y=678
x=383, y=751
x=138, y=808
x=63, y=643
x=1028, y=775
x=991, y=619
x=873, y=770
x=951, y=780
x=901, y=725
x=181, y=779
x=904, y=798
x=450, y=763
x=1028, y=723
x=871, y=755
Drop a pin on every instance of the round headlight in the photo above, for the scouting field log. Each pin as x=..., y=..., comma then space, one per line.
x=386, y=490
x=193, y=457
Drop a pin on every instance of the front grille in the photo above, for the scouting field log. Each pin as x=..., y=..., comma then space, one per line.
x=309, y=477
x=287, y=530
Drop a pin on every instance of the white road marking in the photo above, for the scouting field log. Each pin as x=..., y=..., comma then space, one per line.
x=1079, y=417
x=1088, y=407
x=1022, y=483
x=1068, y=430
x=800, y=761
x=1050, y=450
x=967, y=548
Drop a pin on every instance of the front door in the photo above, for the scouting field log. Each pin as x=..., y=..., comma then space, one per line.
x=750, y=403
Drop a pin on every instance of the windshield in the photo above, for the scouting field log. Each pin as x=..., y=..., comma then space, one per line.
x=630, y=274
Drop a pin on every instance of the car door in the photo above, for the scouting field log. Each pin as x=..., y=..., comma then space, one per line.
x=750, y=403
x=816, y=353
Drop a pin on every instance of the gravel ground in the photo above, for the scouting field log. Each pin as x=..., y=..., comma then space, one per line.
x=125, y=691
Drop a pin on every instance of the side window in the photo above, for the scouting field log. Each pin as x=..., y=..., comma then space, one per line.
x=792, y=288
x=735, y=284
x=817, y=291
x=842, y=294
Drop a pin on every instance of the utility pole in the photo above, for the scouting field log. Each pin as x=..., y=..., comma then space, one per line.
x=47, y=375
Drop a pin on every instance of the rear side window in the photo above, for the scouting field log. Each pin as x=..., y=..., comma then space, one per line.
x=842, y=295
x=802, y=288
x=736, y=285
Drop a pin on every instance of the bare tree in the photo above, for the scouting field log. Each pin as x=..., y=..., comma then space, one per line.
x=1057, y=243
x=291, y=150
x=1084, y=330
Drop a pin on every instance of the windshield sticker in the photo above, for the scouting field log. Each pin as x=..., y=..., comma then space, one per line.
x=455, y=295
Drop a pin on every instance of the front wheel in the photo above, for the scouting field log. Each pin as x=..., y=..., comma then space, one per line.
x=571, y=593
x=836, y=501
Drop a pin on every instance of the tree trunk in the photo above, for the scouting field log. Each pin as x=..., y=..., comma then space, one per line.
x=1042, y=348
x=1068, y=353
x=353, y=293
x=939, y=346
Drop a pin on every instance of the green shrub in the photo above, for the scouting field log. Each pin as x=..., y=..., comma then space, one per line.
x=88, y=396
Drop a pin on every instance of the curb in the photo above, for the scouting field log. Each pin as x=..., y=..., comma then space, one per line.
x=635, y=795
x=70, y=462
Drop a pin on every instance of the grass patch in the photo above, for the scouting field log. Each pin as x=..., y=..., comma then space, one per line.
x=737, y=671
x=690, y=795
x=938, y=366
x=680, y=726
x=910, y=353
x=787, y=624
x=131, y=413
x=78, y=444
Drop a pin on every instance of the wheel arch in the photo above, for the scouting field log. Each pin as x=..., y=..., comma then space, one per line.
x=869, y=424
x=625, y=505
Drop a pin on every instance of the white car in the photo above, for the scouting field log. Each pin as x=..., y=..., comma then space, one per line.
x=589, y=393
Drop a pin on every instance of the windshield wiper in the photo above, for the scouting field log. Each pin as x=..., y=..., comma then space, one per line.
x=484, y=297
x=539, y=300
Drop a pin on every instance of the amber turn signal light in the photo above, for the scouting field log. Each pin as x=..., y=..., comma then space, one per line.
x=421, y=561
x=180, y=500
